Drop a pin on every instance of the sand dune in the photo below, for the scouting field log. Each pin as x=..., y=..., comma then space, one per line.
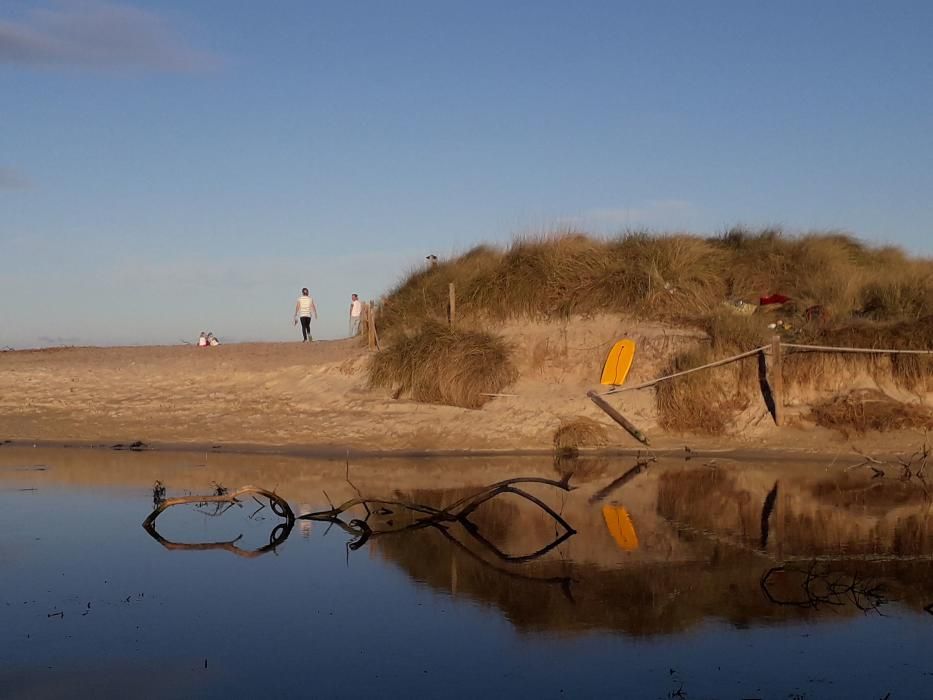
x=316, y=395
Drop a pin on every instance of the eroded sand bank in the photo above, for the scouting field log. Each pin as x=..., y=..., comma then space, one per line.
x=290, y=394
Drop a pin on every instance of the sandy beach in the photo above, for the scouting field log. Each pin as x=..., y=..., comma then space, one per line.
x=316, y=396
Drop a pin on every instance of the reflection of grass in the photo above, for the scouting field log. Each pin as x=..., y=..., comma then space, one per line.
x=708, y=499
x=859, y=490
x=847, y=514
x=647, y=599
x=637, y=599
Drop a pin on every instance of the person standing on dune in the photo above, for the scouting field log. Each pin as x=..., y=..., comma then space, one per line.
x=304, y=308
x=356, y=311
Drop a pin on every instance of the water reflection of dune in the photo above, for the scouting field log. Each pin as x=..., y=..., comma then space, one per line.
x=705, y=536
x=702, y=559
x=841, y=515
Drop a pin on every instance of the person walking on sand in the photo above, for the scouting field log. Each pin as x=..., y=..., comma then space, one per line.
x=356, y=312
x=304, y=308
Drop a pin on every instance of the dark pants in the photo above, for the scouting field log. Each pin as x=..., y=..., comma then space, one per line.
x=306, y=328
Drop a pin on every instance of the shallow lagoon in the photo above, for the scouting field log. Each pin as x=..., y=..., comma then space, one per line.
x=656, y=593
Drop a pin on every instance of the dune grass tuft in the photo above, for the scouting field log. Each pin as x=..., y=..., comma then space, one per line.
x=865, y=410
x=579, y=431
x=440, y=364
x=677, y=277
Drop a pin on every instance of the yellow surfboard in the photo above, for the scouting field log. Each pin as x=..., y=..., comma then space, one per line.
x=619, y=362
x=620, y=527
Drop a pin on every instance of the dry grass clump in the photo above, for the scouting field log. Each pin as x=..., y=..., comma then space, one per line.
x=911, y=372
x=828, y=269
x=903, y=291
x=577, y=432
x=706, y=401
x=568, y=273
x=673, y=277
x=440, y=364
x=866, y=410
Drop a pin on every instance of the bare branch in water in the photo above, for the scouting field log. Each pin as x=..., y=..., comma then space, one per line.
x=158, y=493
x=360, y=531
x=278, y=504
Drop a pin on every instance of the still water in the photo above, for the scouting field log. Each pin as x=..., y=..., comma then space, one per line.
x=677, y=579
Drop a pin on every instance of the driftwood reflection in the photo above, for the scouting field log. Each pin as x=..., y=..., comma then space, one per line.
x=818, y=585
x=380, y=520
x=459, y=512
x=278, y=535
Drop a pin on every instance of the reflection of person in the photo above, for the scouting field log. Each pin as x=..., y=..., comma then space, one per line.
x=304, y=308
x=305, y=525
x=356, y=312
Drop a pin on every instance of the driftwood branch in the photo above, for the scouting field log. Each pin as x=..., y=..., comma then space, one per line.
x=278, y=504
x=360, y=530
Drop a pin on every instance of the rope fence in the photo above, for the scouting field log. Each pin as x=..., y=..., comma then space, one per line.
x=766, y=349
x=717, y=363
x=878, y=351
x=775, y=390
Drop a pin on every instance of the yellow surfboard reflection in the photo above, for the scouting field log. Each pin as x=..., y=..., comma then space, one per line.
x=620, y=527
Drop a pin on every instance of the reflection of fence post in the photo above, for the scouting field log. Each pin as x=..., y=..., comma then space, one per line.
x=777, y=379
x=780, y=510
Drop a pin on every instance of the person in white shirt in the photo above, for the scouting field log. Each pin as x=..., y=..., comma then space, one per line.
x=304, y=309
x=356, y=313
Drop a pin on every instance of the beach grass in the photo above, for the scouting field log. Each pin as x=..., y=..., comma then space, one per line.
x=842, y=291
x=579, y=431
x=863, y=411
x=441, y=364
x=673, y=277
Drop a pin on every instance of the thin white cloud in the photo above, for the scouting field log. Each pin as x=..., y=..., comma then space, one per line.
x=12, y=179
x=96, y=33
x=56, y=340
x=655, y=212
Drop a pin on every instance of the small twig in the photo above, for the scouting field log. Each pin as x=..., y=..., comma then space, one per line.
x=261, y=507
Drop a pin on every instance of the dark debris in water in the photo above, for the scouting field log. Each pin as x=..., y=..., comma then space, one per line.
x=136, y=446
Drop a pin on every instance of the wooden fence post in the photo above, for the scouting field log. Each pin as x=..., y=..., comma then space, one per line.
x=777, y=379
x=451, y=304
x=617, y=417
x=371, y=325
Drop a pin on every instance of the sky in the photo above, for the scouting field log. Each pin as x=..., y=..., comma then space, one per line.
x=171, y=167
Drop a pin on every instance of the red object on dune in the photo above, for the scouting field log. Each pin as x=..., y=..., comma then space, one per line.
x=772, y=299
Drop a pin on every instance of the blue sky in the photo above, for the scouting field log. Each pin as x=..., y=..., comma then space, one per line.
x=168, y=167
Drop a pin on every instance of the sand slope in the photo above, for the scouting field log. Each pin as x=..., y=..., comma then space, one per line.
x=295, y=394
